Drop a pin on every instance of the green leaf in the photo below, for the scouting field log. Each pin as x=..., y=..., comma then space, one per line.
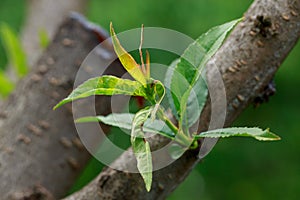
x=196, y=101
x=105, y=85
x=192, y=104
x=126, y=59
x=187, y=72
x=14, y=50
x=167, y=82
x=6, y=85
x=124, y=120
x=257, y=133
x=159, y=91
x=141, y=147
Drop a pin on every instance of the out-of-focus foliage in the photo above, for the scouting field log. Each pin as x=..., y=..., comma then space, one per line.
x=13, y=49
x=6, y=85
x=16, y=58
x=12, y=12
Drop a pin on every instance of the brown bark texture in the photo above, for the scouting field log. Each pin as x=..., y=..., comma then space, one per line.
x=247, y=61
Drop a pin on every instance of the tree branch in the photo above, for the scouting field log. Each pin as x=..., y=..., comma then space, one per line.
x=40, y=153
x=247, y=61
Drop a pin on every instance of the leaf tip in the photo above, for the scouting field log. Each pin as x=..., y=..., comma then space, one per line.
x=61, y=103
x=273, y=136
x=277, y=138
x=112, y=31
x=148, y=186
x=56, y=106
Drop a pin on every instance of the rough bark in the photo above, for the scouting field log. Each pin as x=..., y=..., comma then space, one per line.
x=45, y=15
x=40, y=154
x=247, y=61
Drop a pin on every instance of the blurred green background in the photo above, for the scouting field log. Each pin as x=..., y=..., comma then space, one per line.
x=236, y=168
x=12, y=12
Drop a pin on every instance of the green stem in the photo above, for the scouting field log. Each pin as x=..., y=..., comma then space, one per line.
x=180, y=137
x=161, y=115
x=183, y=139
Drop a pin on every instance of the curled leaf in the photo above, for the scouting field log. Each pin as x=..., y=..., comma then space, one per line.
x=141, y=147
x=126, y=59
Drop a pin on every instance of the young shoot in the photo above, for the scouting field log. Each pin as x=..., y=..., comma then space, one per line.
x=185, y=106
